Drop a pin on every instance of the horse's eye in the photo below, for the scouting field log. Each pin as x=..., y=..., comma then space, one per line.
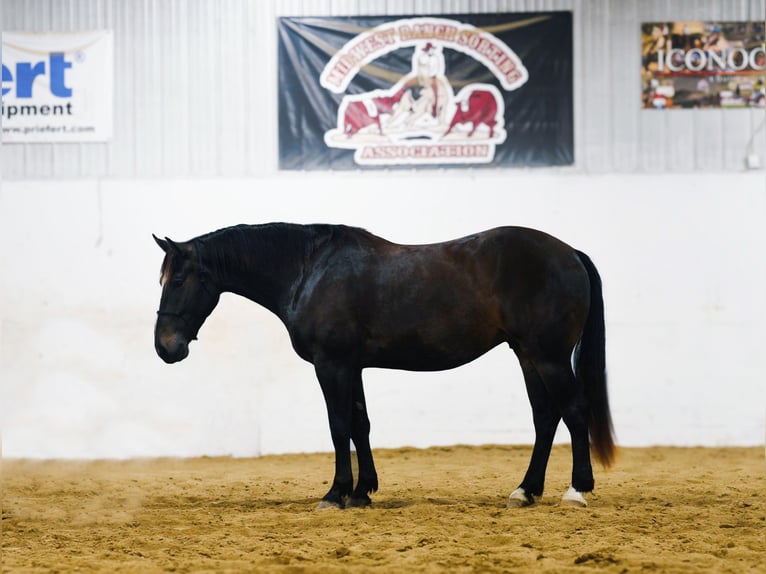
x=178, y=280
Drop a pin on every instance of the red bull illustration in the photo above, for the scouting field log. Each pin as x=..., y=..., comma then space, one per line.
x=478, y=104
x=420, y=119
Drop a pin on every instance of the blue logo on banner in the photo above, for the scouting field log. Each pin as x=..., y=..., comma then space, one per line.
x=23, y=77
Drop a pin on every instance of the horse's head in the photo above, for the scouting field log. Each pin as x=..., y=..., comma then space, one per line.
x=188, y=297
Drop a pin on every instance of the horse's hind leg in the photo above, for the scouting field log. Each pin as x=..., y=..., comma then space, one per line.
x=360, y=434
x=570, y=399
x=546, y=418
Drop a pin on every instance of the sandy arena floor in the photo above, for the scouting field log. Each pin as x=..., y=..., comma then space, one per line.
x=438, y=510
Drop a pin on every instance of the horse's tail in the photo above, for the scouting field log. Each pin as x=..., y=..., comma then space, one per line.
x=590, y=370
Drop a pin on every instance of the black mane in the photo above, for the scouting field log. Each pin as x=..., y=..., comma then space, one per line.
x=275, y=245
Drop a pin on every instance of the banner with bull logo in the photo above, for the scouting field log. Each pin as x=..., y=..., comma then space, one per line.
x=458, y=90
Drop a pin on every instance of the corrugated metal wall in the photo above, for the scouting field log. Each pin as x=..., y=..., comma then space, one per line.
x=195, y=85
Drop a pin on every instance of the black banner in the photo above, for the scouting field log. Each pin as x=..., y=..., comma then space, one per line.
x=458, y=90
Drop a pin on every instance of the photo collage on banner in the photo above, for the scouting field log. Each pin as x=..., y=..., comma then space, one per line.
x=703, y=65
x=470, y=90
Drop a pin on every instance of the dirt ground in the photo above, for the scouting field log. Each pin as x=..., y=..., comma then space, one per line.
x=438, y=510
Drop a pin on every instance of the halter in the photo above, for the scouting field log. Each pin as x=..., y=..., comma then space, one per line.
x=181, y=316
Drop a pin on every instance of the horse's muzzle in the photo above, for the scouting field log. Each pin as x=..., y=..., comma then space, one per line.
x=171, y=349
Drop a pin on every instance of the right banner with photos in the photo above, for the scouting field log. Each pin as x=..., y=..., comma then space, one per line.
x=698, y=64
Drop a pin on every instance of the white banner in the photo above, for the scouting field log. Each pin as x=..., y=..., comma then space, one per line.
x=57, y=87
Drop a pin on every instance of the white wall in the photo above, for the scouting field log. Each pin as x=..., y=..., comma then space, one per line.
x=681, y=257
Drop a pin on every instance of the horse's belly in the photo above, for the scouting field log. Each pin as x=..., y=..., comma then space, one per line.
x=405, y=362
x=418, y=351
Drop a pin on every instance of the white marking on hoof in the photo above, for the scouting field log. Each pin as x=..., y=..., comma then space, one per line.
x=324, y=504
x=518, y=498
x=574, y=498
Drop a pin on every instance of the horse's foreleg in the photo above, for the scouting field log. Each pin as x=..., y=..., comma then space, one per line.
x=546, y=418
x=336, y=383
x=360, y=434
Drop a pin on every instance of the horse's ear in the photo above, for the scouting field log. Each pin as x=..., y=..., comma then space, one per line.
x=174, y=246
x=162, y=243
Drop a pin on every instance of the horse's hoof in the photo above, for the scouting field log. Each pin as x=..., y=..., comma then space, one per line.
x=519, y=498
x=573, y=498
x=358, y=502
x=324, y=504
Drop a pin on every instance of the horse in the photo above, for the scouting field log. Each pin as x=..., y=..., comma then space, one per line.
x=351, y=300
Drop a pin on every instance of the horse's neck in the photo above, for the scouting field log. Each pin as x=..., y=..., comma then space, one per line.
x=266, y=269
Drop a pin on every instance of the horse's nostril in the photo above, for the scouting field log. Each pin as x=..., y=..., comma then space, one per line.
x=172, y=352
x=162, y=352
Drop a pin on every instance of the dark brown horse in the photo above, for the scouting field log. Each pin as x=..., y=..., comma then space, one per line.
x=352, y=300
